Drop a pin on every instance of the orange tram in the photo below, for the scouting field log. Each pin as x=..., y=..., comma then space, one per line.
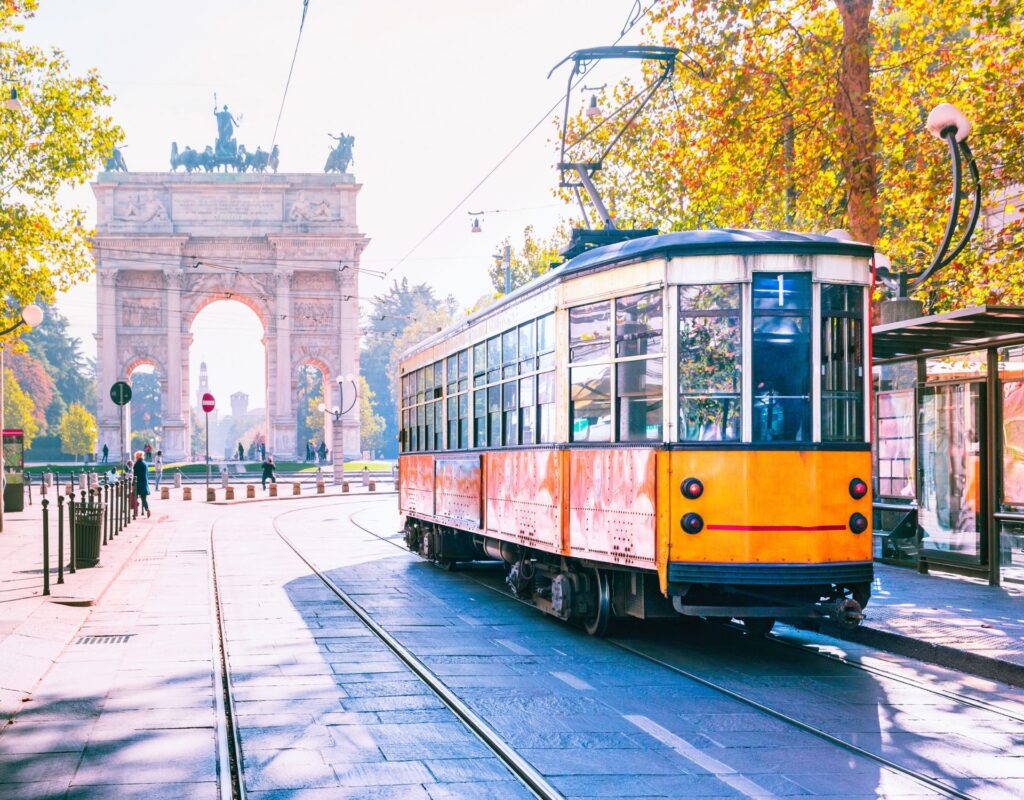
x=674, y=424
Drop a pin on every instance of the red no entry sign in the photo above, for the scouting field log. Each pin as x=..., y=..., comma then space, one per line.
x=208, y=402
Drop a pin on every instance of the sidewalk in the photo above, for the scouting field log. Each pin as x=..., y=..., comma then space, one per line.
x=946, y=620
x=35, y=629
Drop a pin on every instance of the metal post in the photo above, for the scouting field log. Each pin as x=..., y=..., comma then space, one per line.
x=99, y=507
x=120, y=428
x=60, y=539
x=73, y=563
x=134, y=498
x=207, y=453
x=46, y=547
x=506, y=257
x=108, y=519
x=2, y=467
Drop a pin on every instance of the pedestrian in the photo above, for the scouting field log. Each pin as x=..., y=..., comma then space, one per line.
x=106, y=452
x=148, y=449
x=241, y=452
x=141, y=472
x=323, y=452
x=366, y=476
x=268, y=472
x=263, y=451
x=159, y=467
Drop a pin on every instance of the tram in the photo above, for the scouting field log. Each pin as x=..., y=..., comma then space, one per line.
x=671, y=424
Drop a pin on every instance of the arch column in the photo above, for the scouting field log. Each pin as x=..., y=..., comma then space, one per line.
x=175, y=440
x=283, y=429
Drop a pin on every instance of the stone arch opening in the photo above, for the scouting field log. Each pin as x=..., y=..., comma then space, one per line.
x=144, y=413
x=226, y=354
x=313, y=426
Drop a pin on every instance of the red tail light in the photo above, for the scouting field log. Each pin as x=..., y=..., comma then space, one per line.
x=691, y=488
x=858, y=488
x=858, y=523
x=692, y=523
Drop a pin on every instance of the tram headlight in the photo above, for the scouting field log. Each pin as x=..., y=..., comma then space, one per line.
x=692, y=523
x=858, y=488
x=691, y=488
x=858, y=522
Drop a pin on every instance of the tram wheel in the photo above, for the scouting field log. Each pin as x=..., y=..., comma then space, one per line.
x=600, y=619
x=758, y=626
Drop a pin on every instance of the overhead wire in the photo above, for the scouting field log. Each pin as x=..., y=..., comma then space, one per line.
x=632, y=21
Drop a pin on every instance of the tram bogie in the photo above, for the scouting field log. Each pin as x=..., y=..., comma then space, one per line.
x=673, y=425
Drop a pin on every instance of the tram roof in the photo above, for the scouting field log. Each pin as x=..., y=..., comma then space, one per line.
x=716, y=241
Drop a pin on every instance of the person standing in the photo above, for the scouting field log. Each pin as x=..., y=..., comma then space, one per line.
x=269, y=472
x=148, y=450
x=106, y=453
x=158, y=467
x=323, y=452
x=141, y=472
x=241, y=452
x=263, y=451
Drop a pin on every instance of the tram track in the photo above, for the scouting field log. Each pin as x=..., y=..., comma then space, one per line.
x=512, y=760
x=922, y=779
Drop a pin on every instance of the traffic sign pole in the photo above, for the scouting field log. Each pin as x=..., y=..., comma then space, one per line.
x=208, y=405
x=121, y=394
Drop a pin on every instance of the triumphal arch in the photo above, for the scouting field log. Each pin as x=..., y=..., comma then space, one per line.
x=286, y=245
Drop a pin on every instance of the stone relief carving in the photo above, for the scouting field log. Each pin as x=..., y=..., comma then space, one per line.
x=313, y=314
x=143, y=211
x=311, y=211
x=140, y=279
x=139, y=312
x=321, y=281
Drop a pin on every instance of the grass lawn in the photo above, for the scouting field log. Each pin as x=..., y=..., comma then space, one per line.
x=193, y=468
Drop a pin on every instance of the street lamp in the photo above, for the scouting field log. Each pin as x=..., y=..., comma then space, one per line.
x=32, y=317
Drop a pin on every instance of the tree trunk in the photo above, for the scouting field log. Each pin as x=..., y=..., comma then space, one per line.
x=858, y=138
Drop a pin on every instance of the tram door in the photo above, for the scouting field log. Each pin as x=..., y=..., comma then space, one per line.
x=952, y=464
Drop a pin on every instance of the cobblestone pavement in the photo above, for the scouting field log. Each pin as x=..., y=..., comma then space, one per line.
x=324, y=710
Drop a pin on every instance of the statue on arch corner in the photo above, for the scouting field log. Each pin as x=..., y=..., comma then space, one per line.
x=341, y=156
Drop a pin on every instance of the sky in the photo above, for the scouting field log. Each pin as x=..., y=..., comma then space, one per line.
x=436, y=92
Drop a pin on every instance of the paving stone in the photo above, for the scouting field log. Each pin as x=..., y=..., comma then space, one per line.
x=145, y=791
x=40, y=767
x=469, y=770
x=383, y=773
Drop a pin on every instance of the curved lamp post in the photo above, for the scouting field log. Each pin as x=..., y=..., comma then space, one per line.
x=338, y=412
x=31, y=317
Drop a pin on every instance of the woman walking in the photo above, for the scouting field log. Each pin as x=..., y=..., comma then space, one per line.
x=268, y=471
x=141, y=471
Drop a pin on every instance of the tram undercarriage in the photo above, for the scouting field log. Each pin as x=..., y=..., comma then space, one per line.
x=594, y=594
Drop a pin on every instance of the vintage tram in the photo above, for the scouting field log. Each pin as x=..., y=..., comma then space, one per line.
x=673, y=424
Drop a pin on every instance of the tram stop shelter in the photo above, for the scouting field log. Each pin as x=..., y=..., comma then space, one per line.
x=949, y=442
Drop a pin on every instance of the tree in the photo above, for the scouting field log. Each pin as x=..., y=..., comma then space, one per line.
x=309, y=395
x=145, y=403
x=371, y=424
x=533, y=259
x=60, y=354
x=78, y=431
x=392, y=312
x=19, y=410
x=57, y=141
x=34, y=379
x=810, y=115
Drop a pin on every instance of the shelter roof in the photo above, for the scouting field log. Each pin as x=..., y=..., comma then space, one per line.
x=977, y=327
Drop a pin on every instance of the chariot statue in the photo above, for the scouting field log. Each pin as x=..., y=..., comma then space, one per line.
x=341, y=156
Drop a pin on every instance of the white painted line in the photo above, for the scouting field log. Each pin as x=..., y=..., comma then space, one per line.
x=573, y=681
x=559, y=651
x=723, y=772
x=515, y=648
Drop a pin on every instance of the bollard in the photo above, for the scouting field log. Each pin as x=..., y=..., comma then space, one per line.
x=135, y=502
x=250, y=491
x=106, y=510
x=320, y=487
x=344, y=487
x=186, y=493
x=177, y=479
x=48, y=478
x=60, y=539
x=373, y=485
x=165, y=493
x=82, y=478
x=273, y=490
x=224, y=480
x=296, y=488
x=46, y=547
x=69, y=490
x=211, y=495
x=366, y=476
x=229, y=492
x=73, y=563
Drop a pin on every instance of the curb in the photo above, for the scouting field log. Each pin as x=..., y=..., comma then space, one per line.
x=280, y=497
x=939, y=654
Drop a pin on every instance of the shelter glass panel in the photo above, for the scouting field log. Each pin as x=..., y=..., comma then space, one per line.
x=1011, y=371
x=894, y=444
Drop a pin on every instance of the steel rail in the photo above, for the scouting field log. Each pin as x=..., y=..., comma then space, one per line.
x=514, y=762
x=814, y=650
x=918, y=777
x=229, y=746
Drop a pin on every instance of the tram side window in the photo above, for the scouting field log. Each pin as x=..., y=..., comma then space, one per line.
x=710, y=363
x=493, y=359
x=463, y=421
x=510, y=412
x=527, y=347
x=589, y=332
x=463, y=370
x=527, y=410
x=781, y=366
x=842, y=363
x=639, y=381
x=590, y=403
x=480, y=418
x=479, y=364
x=546, y=342
x=508, y=353
x=494, y=415
x=546, y=408
x=453, y=422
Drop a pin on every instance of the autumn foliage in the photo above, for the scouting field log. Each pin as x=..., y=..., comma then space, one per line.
x=810, y=115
